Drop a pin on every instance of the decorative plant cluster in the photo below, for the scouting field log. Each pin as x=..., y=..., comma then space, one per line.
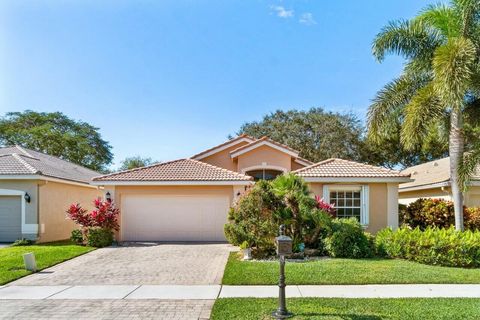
x=446, y=247
x=310, y=221
x=97, y=226
x=326, y=207
x=426, y=212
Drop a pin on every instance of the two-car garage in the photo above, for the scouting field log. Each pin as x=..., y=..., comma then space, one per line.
x=184, y=217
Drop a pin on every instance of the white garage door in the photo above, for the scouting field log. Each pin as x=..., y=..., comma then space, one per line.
x=173, y=218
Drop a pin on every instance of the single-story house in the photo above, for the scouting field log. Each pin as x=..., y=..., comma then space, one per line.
x=35, y=191
x=188, y=199
x=432, y=180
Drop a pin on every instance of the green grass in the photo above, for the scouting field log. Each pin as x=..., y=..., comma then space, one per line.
x=344, y=271
x=351, y=309
x=47, y=254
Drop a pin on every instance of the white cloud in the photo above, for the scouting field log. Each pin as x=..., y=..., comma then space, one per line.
x=307, y=19
x=282, y=12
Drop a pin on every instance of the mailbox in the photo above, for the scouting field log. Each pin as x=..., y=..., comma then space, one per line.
x=284, y=243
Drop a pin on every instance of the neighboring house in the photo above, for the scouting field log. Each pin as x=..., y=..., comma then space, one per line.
x=188, y=199
x=35, y=191
x=432, y=180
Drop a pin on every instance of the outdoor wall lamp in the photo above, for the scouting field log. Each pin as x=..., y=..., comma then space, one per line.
x=27, y=197
x=108, y=196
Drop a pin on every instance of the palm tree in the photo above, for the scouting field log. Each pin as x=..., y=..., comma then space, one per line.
x=438, y=89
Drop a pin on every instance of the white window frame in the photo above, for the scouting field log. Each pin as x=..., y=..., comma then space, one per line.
x=364, y=198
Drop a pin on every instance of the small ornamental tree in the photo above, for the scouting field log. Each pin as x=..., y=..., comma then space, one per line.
x=326, y=207
x=101, y=222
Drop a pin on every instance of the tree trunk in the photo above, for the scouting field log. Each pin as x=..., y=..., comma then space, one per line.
x=456, y=149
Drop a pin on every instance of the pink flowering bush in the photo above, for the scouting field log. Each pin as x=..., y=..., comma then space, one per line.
x=326, y=207
x=97, y=224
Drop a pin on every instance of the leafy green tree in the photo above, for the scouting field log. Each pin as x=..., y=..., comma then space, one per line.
x=438, y=88
x=316, y=134
x=319, y=135
x=57, y=135
x=135, y=162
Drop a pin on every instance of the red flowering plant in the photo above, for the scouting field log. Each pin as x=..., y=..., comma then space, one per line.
x=325, y=206
x=97, y=225
x=104, y=216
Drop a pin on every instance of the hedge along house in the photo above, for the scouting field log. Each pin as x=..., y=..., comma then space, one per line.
x=365, y=192
x=432, y=180
x=188, y=199
x=35, y=191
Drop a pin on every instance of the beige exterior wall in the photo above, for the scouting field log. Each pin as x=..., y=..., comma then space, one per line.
x=55, y=198
x=471, y=197
x=264, y=157
x=222, y=159
x=119, y=191
x=295, y=165
x=378, y=204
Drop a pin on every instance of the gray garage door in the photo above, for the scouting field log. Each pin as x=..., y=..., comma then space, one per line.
x=10, y=218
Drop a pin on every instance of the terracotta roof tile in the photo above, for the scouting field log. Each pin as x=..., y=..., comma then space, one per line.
x=339, y=168
x=177, y=170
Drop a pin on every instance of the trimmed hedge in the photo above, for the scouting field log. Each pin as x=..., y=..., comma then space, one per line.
x=445, y=247
x=99, y=237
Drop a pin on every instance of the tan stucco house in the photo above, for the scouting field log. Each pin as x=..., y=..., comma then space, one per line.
x=35, y=191
x=188, y=199
x=432, y=180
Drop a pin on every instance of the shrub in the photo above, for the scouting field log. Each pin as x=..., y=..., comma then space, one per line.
x=471, y=217
x=318, y=225
x=348, y=240
x=254, y=219
x=22, y=242
x=426, y=212
x=326, y=207
x=99, y=237
x=77, y=236
x=445, y=247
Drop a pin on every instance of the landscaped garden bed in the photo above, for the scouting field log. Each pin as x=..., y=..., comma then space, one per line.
x=334, y=308
x=46, y=254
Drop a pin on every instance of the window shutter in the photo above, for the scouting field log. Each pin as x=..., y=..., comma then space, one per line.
x=364, y=218
x=326, y=194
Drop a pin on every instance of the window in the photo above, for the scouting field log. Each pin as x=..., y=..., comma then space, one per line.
x=264, y=174
x=349, y=200
x=347, y=203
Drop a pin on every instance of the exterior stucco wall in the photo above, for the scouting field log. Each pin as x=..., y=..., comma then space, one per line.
x=266, y=157
x=471, y=197
x=406, y=197
x=378, y=204
x=55, y=198
x=119, y=191
x=222, y=159
x=31, y=209
x=295, y=165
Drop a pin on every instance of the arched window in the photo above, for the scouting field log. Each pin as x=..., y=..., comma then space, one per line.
x=264, y=174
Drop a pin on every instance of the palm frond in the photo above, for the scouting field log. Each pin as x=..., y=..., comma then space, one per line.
x=443, y=18
x=408, y=38
x=452, y=67
x=424, y=109
x=386, y=108
x=469, y=166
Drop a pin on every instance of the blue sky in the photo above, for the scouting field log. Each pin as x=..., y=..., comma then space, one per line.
x=166, y=79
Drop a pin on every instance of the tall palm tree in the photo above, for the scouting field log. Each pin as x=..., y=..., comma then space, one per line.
x=438, y=88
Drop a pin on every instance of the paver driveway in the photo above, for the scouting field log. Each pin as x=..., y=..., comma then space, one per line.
x=179, y=264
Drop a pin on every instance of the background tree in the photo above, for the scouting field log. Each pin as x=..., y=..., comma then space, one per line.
x=57, y=135
x=135, y=162
x=319, y=135
x=438, y=88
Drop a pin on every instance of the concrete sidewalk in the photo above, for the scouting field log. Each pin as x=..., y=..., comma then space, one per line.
x=212, y=292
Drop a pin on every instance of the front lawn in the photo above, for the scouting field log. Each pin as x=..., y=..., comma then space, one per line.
x=47, y=254
x=344, y=271
x=366, y=309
